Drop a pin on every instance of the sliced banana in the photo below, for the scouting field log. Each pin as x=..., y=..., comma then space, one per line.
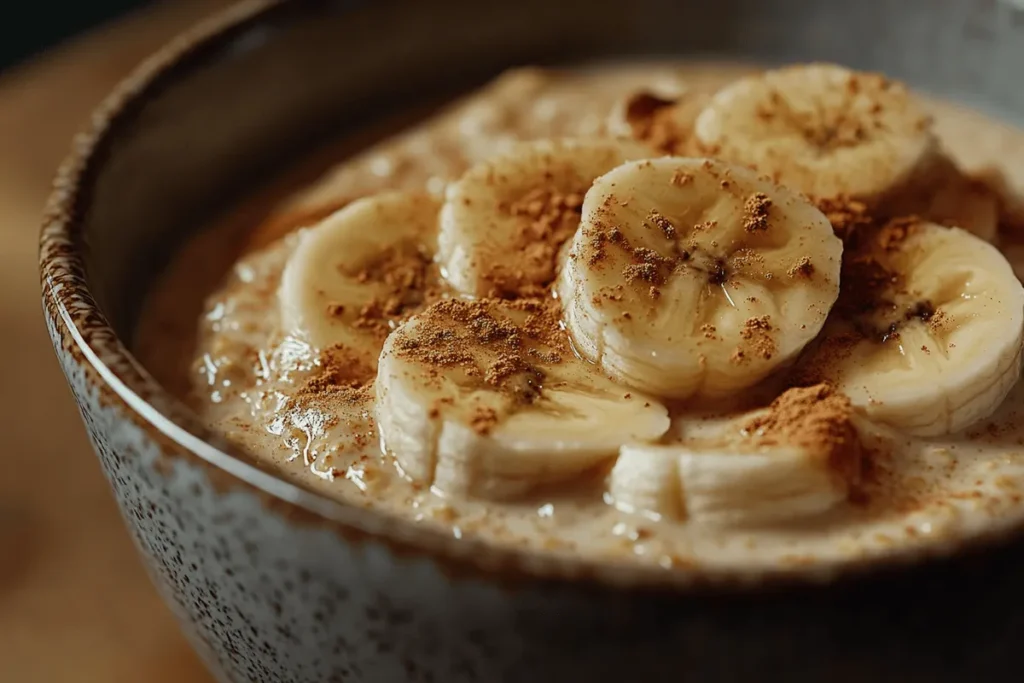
x=760, y=474
x=822, y=130
x=485, y=399
x=360, y=269
x=724, y=487
x=689, y=277
x=505, y=219
x=662, y=119
x=645, y=480
x=927, y=334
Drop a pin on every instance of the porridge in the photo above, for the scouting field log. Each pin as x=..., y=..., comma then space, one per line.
x=690, y=316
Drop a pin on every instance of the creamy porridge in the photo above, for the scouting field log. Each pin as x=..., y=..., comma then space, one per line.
x=617, y=339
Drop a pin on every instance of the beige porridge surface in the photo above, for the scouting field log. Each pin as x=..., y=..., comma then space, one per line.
x=246, y=377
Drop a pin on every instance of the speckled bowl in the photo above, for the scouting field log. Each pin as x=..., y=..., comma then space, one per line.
x=273, y=583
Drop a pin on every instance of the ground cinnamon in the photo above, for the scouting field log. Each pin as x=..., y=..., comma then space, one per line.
x=802, y=268
x=546, y=219
x=756, y=332
x=342, y=374
x=663, y=224
x=410, y=281
x=817, y=418
x=755, y=212
x=500, y=344
x=655, y=120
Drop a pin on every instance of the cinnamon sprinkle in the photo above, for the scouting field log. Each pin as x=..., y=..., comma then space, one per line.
x=664, y=224
x=599, y=239
x=652, y=120
x=646, y=272
x=817, y=418
x=502, y=345
x=803, y=268
x=756, y=333
x=546, y=220
x=846, y=215
x=755, y=212
x=410, y=282
x=343, y=375
x=648, y=266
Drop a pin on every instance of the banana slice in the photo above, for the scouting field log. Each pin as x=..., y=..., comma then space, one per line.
x=485, y=399
x=927, y=333
x=798, y=458
x=504, y=220
x=822, y=130
x=689, y=277
x=663, y=120
x=645, y=480
x=727, y=488
x=359, y=270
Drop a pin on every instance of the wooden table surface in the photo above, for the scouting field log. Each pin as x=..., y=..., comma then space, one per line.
x=75, y=603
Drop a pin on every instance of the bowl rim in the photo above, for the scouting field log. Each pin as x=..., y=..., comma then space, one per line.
x=67, y=301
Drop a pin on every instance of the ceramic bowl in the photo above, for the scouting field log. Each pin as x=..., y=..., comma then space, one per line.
x=274, y=583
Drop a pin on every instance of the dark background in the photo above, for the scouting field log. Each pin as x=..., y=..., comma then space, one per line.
x=30, y=27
